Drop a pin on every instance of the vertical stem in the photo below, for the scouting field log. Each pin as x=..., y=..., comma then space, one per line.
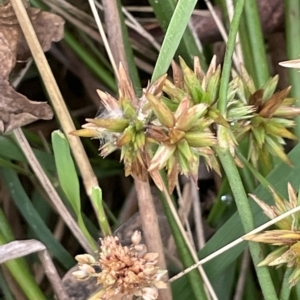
x=285, y=290
x=246, y=216
x=292, y=30
x=257, y=45
x=228, y=56
x=246, y=48
x=150, y=227
x=187, y=254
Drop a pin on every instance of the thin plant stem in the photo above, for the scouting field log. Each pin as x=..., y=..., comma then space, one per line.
x=199, y=229
x=127, y=48
x=119, y=40
x=103, y=36
x=98, y=70
x=238, y=49
x=246, y=216
x=150, y=227
x=51, y=192
x=228, y=56
x=132, y=23
x=285, y=290
x=230, y=167
x=292, y=26
x=245, y=45
x=221, y=28
x=44, y=180
x=89, y=178
x=185, y=249
x=183, y=214
x=240, y=287
x=257, y=45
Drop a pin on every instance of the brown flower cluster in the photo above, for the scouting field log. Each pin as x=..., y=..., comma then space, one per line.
x=176, y=121
x=125, y=271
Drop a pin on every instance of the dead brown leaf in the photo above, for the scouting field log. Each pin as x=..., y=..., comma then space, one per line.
x=15, y=109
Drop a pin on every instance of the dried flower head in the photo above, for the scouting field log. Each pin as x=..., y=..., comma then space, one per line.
x=287, y=236
x=153, y=134
x=182, y=136
x=126, y=271
x=186, y=113
x=123, y=125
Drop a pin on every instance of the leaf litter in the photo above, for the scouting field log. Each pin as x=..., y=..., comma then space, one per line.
x=17, y=110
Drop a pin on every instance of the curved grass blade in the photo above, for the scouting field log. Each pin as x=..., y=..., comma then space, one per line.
x=68, y=178
x=98, y=202
x=66, y=170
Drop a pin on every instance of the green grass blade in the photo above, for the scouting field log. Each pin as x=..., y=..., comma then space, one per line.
x=33, y=219
x=285, y=290
x=292, y=30
x=181, y=289
x=247, y=220
x=224, y=81
x=8, y=164
x=257, y=44
x=66, y=170
x=175, y=31
x=224, y=284
x=98, y=203
x=10, y=149
x=68, y=178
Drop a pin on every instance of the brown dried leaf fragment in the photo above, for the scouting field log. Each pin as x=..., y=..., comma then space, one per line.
x=15, y=109
x=48, y=27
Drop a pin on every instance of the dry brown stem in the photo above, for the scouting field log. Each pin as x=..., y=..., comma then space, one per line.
x=150, y=227
x=89, y=178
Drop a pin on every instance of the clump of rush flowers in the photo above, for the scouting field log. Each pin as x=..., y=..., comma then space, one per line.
x=176, y=121
x=123, y=125
x=151, y=135
x=272, y=115
x=287, y=236
x=125, y=270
